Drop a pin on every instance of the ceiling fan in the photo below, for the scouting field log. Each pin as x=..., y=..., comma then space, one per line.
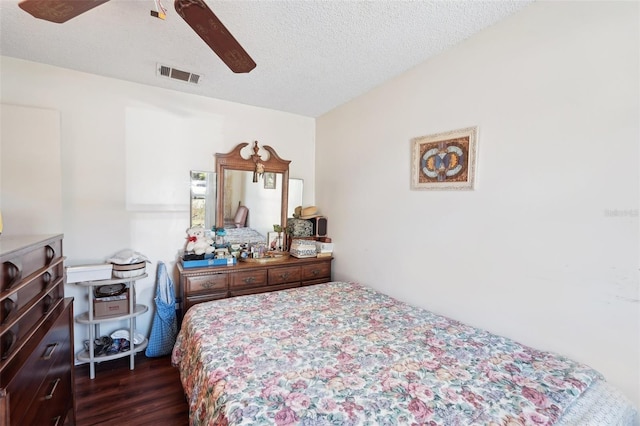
x=196, y=13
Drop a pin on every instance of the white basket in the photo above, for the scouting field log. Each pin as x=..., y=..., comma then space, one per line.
x=129, y=270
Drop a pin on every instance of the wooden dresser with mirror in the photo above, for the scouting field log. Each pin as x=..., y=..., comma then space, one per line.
x=236, y=176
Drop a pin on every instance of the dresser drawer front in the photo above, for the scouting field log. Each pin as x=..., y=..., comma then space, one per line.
x=32, y=290
x=20, y=328
x=288, y=274
x=314, y=282
x=316, y=271
x=51, y=356
x=269, y=288
x=207, y=283
x=52, y=401
x=190, y=301
x=248, y=279
x=19, y=266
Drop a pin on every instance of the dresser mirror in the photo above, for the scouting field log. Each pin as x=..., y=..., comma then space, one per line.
x=202, y=198
x=296, y=190
x=255, y=180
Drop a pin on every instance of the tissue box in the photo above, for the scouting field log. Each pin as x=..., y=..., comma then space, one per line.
x=82, y=273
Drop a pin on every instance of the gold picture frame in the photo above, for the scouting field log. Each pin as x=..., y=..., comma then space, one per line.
x=445, y=161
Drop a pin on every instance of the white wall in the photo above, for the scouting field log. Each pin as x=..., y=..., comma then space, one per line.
x=30, y=171
x=545, y=250
x=126, y=152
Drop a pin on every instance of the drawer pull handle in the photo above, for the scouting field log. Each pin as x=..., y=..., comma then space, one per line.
x=50, y=253
x=284, y=275
x=249, y=280
x=6, y=343
x=12, y=272
x=315, y=272
x=56, y=420
x=48, y=301
x=48, y=352
x=8, y=305
x=53, y=389
x=208, y=284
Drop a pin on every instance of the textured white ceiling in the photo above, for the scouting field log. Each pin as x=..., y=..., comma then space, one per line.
x=312, y=56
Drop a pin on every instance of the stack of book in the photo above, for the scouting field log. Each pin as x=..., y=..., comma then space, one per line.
x=303, y=248
x=324, y=249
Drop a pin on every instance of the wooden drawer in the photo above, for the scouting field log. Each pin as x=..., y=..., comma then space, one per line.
x=269, y=288
x=314, y=282
x=190, y=301
x=32, y=288
x=286, y=274
x=316, y=271
x=29, y=293
x=51, y=355
x=248, y=279
x=52, y=403
x=20, y=265
x=207, y=283
x=19, y=324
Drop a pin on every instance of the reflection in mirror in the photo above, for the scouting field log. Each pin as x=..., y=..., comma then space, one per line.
x=249, y=204
x=296, y=187
x=203, y=199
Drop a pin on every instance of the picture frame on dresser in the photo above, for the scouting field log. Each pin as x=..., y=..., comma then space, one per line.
x=275, y=241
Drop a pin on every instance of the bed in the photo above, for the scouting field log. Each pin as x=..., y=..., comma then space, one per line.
x=344, y=354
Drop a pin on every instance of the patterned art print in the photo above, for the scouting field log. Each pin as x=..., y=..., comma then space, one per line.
x=445, y=160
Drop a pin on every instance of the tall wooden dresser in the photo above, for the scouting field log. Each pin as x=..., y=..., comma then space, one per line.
x=36, y=333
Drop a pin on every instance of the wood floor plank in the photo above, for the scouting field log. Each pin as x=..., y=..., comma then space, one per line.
x=151, y=394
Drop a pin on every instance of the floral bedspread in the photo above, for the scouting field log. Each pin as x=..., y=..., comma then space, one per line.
x=343, y=354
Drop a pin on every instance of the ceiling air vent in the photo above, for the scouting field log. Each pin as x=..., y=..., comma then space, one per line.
x=177, y=74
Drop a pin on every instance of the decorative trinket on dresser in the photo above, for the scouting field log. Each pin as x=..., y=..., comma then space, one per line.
x=198, y=242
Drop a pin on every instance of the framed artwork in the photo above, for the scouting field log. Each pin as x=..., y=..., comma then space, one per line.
x=444, y=160
x=275, y=241
x=269, y=180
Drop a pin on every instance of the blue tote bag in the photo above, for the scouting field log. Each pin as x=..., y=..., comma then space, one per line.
x=165, y=323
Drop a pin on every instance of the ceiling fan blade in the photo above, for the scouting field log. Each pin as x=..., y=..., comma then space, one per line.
x=58, y=11
x=206, y=24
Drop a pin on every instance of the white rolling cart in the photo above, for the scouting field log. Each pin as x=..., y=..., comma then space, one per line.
x=89, y=319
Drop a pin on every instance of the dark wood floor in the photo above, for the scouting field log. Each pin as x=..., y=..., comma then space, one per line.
x=150, y=394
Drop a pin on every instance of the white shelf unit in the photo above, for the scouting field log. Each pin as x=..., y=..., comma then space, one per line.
x=88, y=318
